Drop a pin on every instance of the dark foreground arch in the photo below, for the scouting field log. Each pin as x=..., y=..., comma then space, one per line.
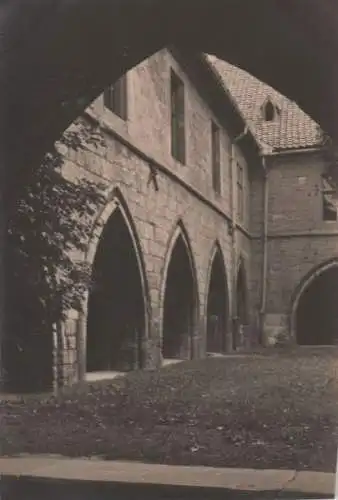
x=57, y=55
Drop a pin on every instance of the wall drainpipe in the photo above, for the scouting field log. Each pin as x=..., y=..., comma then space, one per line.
x=262, y=311
x=234, y=326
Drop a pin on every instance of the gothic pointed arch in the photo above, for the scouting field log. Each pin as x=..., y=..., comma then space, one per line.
x=179, y=297
x=117, y=304
x=217, y=302
x=115, y=199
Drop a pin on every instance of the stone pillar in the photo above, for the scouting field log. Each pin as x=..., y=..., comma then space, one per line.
x=81, y=347
x=195, y=346
x=275, y=330
x=200, y=340
x=152, y=343
x=58, y=353
x=70, y=354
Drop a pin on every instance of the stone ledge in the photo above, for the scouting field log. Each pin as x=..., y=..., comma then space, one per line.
x=118, y=472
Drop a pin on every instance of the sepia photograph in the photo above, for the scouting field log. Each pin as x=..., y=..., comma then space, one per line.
x=169, y=249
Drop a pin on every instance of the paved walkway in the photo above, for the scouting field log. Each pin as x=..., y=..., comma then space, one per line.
x=251, y=480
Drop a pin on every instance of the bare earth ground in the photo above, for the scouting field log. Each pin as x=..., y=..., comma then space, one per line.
x=276, y=411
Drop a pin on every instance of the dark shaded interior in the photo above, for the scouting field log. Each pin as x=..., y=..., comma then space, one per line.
x=179, y=305
x=317, y=312
x=241, y=308
x=217, y=306
x=116, y=316
x=241, y=297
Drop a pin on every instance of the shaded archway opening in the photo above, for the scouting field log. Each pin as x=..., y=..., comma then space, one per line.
x=241, y=318
x=116, y=311
x=317, y=312
x=217, y=306
x=179, y=305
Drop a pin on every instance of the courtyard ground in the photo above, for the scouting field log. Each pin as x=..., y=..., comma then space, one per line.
x=260, y=411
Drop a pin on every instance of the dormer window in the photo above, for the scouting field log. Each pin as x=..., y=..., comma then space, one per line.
x=269, y=111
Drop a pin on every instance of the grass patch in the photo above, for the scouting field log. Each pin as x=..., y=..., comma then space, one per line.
x=277, y=411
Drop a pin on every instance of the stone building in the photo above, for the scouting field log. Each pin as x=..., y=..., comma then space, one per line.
x=214, y=224
x=171, y=249
x=297, y=248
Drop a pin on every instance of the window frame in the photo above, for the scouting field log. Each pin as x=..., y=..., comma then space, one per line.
x=240, y=191
x=216, y=158
x=177, y=123
x=115, y=98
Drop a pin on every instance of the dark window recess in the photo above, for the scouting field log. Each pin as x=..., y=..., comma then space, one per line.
x=328, y=201
x=240, y=199
x=215, y=158
x=177, y=119
x=115, y=98
x=270, y=111
x=329, y=210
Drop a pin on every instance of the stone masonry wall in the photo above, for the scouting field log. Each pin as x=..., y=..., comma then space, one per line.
x=184, y=192
x=256, y=228
x=299, y=239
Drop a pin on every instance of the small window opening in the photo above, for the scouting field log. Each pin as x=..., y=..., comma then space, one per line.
x=115, y=98
x=215, y=158
x=177, y=119
x=240, y=195
x=269, y=111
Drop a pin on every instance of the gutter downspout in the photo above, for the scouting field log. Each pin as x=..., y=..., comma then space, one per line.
x=262, y=311
x=233, y=346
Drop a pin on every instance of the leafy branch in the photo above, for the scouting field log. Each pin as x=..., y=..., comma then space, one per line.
x=51, y=223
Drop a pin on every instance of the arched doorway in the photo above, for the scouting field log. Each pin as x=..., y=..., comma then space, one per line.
x=116, y=303
x=315, y=312
x=217, y=304
x=180, y=303
x=241, y=307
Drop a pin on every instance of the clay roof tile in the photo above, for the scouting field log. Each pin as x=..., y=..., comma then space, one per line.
x=292, y=128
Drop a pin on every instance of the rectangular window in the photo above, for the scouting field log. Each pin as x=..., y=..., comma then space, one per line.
x=216, y=158
x=329, y=204
x=240, y=198
x=177, y=118
x=115, y=98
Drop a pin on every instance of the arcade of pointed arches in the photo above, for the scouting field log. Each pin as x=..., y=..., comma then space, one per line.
x=114, y=253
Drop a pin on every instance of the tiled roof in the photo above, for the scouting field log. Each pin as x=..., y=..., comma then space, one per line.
x=291, y=129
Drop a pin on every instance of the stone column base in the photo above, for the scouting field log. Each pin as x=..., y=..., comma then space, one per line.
x=276, y=330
